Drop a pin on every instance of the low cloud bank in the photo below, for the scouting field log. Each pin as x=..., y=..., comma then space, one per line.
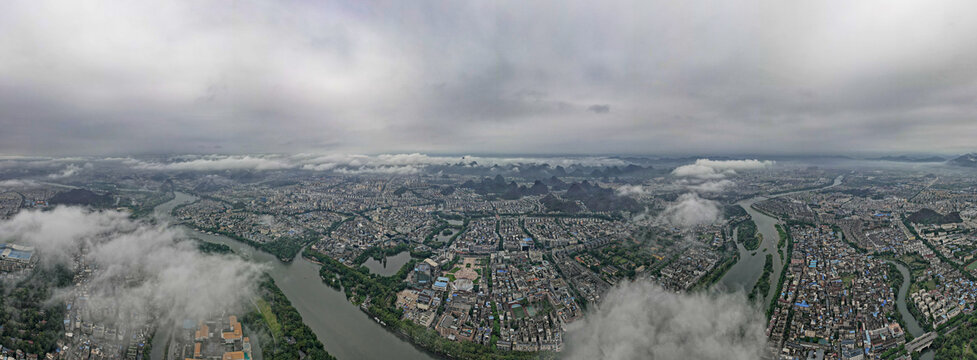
x=18, y=183
x=71, y=170
x=704, y=177
x=641, y=320
x=398, y=164
x=141, y=269
x=214, y=163
x=690, y=210
x=716, y=186
x=630, y=190
x=718, y=169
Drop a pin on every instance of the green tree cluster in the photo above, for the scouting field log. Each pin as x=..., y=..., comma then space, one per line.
x=29, y=322
x=746, y=233
x=381, y=291
x=299, y=338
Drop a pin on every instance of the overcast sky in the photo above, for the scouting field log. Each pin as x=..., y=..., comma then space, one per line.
x=546, y=77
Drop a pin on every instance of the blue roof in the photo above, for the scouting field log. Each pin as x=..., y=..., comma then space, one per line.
x=19, y=255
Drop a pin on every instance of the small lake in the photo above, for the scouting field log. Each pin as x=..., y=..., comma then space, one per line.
x=388, y=266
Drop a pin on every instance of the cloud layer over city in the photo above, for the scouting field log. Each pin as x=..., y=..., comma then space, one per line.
x=396, y=164
x=704, y=177
x=487, y=77
x=640, y=320
x=144, y=272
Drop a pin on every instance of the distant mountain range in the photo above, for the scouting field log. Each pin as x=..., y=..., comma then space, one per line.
x=81, y=197
x=910, y=159
x=595, y=197
x=965, y=160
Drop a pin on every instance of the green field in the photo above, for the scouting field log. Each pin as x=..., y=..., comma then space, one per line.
x=972, y=266
x=847, y=279
x=925, y=285
x=270, y=318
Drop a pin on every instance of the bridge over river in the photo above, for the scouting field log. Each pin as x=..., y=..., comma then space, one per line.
x=922, y=342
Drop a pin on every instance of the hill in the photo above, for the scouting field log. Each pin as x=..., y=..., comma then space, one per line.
x=81, y=197
x=554, y=204
x=600, y=199
x=965, y=160
x=911, y=159
x=931, y=217
x=497, y=186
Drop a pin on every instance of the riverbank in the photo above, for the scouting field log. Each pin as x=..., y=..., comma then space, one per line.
x=743, y=275
x=375, y=296
x=344, y=330
x=909, y=320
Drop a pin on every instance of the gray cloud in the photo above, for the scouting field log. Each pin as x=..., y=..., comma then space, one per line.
x=263, y=76
x=599, y=109
x=640, y=320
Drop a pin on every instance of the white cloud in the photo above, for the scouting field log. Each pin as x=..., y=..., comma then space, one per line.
x=704, y=176
x=630, y=190
x=214, y=163
x=640, y=320
x=18, y=183
x=690, y=210
x=330, y=161
x=397, y=164
x=71, y=170
x=712, y=186
x=386, y=170
x=698, y=171
x=748, y=164
x=718, y=169
x=176, y=281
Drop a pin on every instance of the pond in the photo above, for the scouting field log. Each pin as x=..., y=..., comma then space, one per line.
x=388, y=266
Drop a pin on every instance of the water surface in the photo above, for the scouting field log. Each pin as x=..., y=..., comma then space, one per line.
x=346, y=332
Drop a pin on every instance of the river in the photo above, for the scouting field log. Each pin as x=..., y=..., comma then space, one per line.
x=346, y=332
x=745, y=273
x=912, y=326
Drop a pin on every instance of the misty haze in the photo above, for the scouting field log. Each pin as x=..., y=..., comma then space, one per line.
x=291, y=180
